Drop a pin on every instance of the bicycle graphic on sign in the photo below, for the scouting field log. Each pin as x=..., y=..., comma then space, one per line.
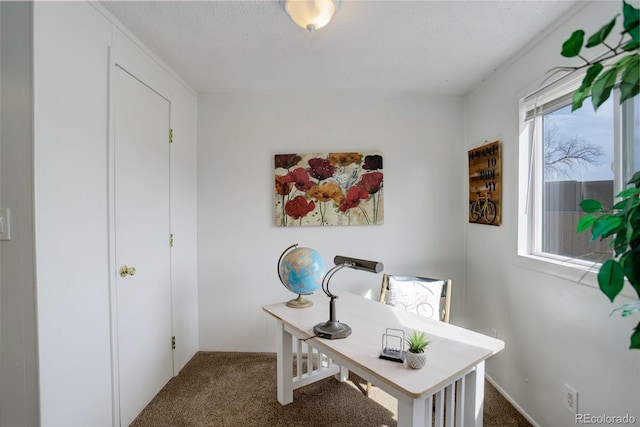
x=483, y=207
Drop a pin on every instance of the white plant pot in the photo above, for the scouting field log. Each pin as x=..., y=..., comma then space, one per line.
x=416, y=360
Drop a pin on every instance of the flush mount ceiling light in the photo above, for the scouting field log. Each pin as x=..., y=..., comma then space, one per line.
x=310, y=14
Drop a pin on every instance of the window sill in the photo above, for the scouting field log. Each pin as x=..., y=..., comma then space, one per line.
x=580, y=272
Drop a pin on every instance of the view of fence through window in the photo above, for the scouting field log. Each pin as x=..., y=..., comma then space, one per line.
x=578, y=151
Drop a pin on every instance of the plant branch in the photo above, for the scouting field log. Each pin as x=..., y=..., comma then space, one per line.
x=585, y=60
x=612, y=49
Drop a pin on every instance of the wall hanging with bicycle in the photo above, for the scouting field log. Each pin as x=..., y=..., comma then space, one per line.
x=485, y=184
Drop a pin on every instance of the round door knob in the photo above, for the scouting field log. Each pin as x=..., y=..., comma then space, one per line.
x=126, y=270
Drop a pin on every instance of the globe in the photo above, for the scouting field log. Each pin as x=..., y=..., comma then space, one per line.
x=301, y=271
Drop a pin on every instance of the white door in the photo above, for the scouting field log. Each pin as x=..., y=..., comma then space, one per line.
x=142, y=229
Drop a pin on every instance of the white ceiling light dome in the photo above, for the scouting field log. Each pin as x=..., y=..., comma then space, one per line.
x=310, y=14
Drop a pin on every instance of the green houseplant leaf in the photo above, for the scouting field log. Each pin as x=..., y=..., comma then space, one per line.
x=635, y=180
x=604, y=226
x=592, y=73
x=635, y=338
x=578, y=98
x=611, y=278
x=573, y=45
x=631, y=191
x=585, y=88
x=619, y=244
x=631, y=21
x=631, y=46
x=601, y=89
x=602, y=34
x=630, y=263
x=585, y=222
x=630, y=84
x=591, y=205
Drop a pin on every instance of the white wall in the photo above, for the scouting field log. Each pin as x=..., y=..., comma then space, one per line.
x=556, y=330
x=239, y=244
x=18, y=349
x=71, y=65
x=70, y=146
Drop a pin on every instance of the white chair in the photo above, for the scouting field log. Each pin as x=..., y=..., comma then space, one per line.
x=427, y=297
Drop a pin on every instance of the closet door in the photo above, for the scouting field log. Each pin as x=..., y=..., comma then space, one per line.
x=142, y=251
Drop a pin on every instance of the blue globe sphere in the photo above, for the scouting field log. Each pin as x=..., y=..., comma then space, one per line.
x=302, y=270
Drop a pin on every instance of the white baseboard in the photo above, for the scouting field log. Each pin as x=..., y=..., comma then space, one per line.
x=513, y=402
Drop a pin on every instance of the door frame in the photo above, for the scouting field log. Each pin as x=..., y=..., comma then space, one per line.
x=117, y=60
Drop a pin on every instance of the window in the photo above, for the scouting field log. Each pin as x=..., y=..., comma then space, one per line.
x=571, y=157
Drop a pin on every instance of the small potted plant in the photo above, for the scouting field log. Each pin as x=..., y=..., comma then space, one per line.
x=417, y=342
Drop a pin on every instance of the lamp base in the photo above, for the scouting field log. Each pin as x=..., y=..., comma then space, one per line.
x=299, y=302
x=332, y=330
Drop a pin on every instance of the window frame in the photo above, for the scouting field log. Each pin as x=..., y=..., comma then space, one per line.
x=530, y=187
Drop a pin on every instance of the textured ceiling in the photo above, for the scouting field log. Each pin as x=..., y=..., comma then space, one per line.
x=436, y=47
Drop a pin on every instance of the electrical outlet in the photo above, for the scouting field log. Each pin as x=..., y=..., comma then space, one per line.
x=570, y=399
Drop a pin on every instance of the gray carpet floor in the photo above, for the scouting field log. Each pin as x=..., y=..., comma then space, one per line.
x=239, y=390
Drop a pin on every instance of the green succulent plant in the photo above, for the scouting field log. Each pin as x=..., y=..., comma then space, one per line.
x=417, y=342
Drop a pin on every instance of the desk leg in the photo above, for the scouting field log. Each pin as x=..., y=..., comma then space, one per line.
x=343, y=375
x=413, y=412
x=284, y=367
x=474, y=396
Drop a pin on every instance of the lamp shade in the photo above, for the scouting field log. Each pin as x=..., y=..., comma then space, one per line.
x=359, y=264
x=310, y=14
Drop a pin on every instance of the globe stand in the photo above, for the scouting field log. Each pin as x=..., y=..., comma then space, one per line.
x=299, y=302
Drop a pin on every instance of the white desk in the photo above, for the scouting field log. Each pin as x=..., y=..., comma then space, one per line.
x=452, y=379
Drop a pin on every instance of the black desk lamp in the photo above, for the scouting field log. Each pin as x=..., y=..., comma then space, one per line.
x=332, y=329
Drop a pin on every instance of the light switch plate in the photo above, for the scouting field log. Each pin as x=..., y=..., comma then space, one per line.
x=5, y=224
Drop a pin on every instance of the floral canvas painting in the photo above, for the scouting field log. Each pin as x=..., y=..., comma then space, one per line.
x=329, y=189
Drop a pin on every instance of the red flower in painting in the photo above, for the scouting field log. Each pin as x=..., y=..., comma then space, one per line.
x=298, y=207
x=372, y=182
x=300, y=179
x=283, y=187
x=373, y=162
x=321, y=168
x=287, y=161
x=352, y=200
